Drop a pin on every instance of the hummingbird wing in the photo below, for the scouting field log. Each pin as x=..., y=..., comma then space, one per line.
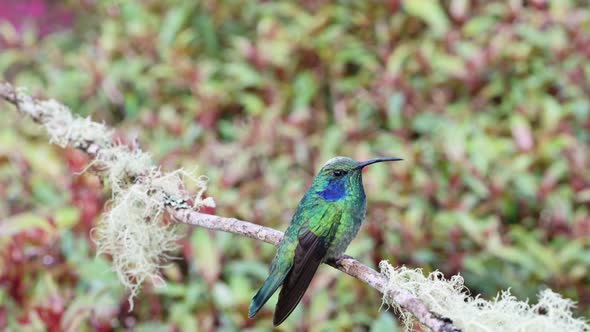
x=283, y=261
x=310, y=252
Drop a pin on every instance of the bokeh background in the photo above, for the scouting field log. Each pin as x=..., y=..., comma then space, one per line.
x=486, y=101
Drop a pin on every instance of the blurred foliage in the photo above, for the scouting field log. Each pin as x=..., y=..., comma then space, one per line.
x=486, y=101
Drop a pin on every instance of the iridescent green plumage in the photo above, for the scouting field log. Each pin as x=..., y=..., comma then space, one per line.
x=327, y=219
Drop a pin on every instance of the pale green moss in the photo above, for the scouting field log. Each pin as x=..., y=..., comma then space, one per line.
x=450, y=298
x=65, y=128
x=132, y=231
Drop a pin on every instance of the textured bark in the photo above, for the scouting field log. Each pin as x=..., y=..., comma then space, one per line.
x=36, y=110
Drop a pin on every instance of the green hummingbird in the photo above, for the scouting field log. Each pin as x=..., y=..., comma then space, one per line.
x=327, y=218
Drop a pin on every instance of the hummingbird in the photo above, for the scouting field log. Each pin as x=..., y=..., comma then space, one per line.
x=326, y=220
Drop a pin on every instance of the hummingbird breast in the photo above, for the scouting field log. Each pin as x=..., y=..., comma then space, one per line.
x=353, y=213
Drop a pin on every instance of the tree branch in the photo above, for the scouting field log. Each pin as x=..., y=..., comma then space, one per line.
x=39, y=112
x=346, y=264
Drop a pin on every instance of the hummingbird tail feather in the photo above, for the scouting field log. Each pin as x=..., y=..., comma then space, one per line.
x=291, y=295
x=265, y=292
x=309, y=254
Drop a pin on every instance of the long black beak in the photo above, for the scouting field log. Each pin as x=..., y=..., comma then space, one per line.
x=376, y=160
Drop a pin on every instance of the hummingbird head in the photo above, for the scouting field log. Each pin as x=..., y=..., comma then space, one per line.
x=341, y=176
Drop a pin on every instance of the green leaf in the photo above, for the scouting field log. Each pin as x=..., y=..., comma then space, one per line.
x=395, y=104
x=207, y=33
x=66, y=217
x=305, y=88
x=431, y=12
x=173, y=22
x=552, y=112
x=252, y=103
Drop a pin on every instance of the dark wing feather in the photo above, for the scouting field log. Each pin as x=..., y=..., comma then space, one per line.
x=309, y=254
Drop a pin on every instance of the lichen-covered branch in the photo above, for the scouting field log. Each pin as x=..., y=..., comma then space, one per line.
x=51, y=114
x=133, y=233
x=346, y=264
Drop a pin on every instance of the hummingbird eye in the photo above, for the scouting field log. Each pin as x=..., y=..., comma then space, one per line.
x=338, y=173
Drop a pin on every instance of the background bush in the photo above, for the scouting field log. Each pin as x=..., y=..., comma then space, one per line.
x=486, y=102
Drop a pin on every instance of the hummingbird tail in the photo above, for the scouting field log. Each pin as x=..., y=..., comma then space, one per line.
x=265, y=292
x=309, y=254
x=292, y=292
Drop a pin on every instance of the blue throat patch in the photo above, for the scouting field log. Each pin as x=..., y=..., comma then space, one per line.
x=334, y=191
